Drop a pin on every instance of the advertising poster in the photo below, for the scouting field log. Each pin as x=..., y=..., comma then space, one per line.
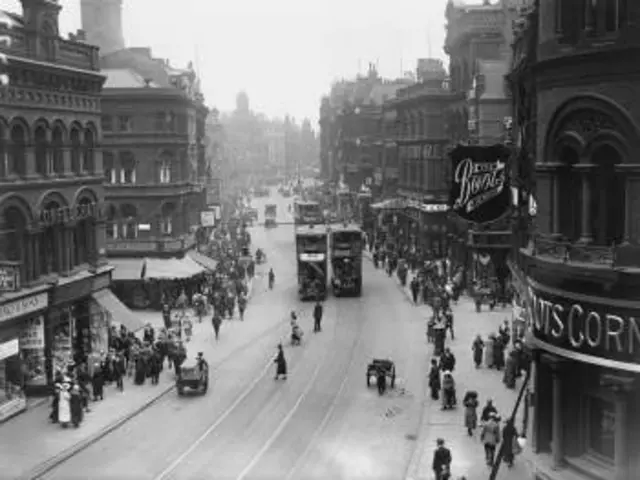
x=32, y=351
x=480, y=190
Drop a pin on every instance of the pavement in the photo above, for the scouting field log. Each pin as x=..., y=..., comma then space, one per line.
x=31, y=445
x=467, y=452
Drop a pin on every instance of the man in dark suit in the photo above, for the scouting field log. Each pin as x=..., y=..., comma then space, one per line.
x=317, y=316
x=441, y=461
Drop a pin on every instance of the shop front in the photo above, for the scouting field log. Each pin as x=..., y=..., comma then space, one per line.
x=22, y=349
x=585, y=420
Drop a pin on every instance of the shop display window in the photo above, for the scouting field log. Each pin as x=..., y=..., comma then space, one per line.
x=32, y=352
x=61, y=341
x=11, y=379
x=602, y=428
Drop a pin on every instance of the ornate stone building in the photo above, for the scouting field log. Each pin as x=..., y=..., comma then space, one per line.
x=54, y=300
x=580, y=272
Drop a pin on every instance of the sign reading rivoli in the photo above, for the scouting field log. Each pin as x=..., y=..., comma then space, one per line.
x=480, y=182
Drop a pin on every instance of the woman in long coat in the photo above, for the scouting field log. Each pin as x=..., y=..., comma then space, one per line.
x=281, y=364
x=75, y=404
x=488, y=351
x=470, y=403
x=477, y=348
x=64, y=406
x=509, y=435
x=509, y=377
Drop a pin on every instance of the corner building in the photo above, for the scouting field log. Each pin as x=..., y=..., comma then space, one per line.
x=581, y=268
x=54, y=276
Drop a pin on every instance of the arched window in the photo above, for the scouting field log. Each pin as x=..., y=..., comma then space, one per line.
x=84, y=234
x=89, y=151
x=127, y=167
x=13, y=238
x=608, y=217
x=51, y=243
x=18, y=154
x=166, y=160
x=4, y=153
x=111, y=227
x=570, y=194
x=108, y=163
x=57, y=150
x=76, y=151
x=129, y=214
x=42, y=151
x=166, y=220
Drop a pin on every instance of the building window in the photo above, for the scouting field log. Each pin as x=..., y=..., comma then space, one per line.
x=76, y=151
x=615, y=15
x=128, y=168
x=111, y=227
x=166, y=226
x=18, y=153
x=42, y=152
x=124, y=123
x=109, y=168
x=568, y=24
x=602, y=428
x=107, y=123
x=88, y=154
x=129, y=214
x=57, y=150
x=165, y=164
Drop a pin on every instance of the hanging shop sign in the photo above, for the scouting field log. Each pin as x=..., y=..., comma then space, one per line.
x=480, y=182
x=9, y=277
x=598, y=330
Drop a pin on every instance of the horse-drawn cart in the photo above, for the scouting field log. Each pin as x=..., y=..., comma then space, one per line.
x=194, y=376
x=382, y=365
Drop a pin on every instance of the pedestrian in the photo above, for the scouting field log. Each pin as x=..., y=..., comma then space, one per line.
x=477, y=348
x=317, y=316
x=441, y=464
x=381, y=380
x=242, y=305
x=55, y=401
x=281, y=364
x=216, y=321
x=97, y=383
x=434, y=380
x=498, y=353
x=448, y=360
x=470, y=403
x=509, y=438
x=119, y=370
x=64, y=407
x=448, y=390
x=488, y=351
x=75, y=405
x=490, y=436
x=415, y=289
x=487, y=411
x=509, y=377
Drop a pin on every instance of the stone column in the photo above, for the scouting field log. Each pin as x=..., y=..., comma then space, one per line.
x=630, y=183
x=589, y=23
x=586, y=235
x=621, y=457
x=555, y=229
x=66, y=161
x=30, y=165
x=557, y=442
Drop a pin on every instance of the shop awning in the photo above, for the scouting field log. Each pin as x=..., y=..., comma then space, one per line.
x=126, y=268
x=171, y=268
x=116, y=310
x=390, y=204
x=203, y=260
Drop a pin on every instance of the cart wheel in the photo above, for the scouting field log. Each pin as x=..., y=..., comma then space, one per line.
x=393, y=379
x=368, y=380
x=180, y=391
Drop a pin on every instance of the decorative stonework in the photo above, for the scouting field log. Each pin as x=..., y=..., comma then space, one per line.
x=16, y=96
x=588, y=124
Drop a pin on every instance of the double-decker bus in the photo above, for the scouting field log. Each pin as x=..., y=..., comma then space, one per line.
x=306, y=212
x=311, y=257
x=346, y=246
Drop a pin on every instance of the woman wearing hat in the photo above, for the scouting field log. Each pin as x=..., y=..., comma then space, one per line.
x=64, y=407
x=75, y=403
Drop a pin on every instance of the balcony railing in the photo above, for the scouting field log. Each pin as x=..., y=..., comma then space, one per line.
x=151, y=245
x=567, y=252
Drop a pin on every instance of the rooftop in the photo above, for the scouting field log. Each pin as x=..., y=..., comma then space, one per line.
x=126, y=78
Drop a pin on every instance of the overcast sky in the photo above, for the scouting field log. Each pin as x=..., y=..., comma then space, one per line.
x=283, y=53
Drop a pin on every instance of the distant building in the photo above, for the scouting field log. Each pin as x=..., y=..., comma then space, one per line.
x=153, y=120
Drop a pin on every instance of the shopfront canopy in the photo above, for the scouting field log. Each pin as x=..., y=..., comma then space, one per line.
x=117, y=311
x=390, y=204
x=126, y=269
x=203, y=260
x=171, y=268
